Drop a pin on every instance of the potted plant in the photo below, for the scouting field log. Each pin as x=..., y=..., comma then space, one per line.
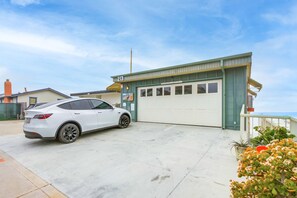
x=239, y=147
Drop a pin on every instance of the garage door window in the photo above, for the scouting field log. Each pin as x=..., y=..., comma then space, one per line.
x=201, y=88
x=142, y=92
x=167, y=91
x=212, y=87
x=160, y=91
x=178, y=90
x=188, y=89
x=149, y=92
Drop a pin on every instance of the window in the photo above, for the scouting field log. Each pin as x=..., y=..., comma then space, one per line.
x=80, y=105
x=149, y=92
x=98, y=104
x=201, y=88
x=188, y=89
x=65, y=106
x=167, y=91
x=160, y=91
x=178, y=90
x=142, y=93
x=32, y=100
x=212, y=87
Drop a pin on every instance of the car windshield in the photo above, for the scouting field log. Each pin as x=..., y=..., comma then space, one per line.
x=48, y=104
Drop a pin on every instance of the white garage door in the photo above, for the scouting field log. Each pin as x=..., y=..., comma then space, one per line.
x=198, y=103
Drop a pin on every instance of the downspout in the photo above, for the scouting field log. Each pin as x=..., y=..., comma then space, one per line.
x=224, y=95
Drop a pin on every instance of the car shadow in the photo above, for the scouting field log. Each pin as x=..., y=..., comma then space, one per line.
x=85, y=136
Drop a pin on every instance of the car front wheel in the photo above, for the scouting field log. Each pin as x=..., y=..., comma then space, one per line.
x=124, y=121
x=68, y=133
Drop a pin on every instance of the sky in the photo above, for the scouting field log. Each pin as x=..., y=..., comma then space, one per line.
x=75, y=46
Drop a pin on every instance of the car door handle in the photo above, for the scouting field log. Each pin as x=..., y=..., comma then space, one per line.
x=76, y=113
x=99, y=112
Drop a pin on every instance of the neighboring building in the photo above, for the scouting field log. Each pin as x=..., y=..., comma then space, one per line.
x=111, y=95
x=12, y=106
x=32, y=97
x=205, y=93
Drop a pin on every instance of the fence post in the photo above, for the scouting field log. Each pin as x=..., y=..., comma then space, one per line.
x=293, y=126
x=242, y=119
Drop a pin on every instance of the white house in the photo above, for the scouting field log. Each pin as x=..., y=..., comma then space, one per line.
x=112, y=94
x=28, y=98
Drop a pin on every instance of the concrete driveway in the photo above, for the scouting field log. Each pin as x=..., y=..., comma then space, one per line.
x=144, y=160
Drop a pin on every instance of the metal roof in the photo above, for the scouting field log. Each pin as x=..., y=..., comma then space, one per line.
x=38, y=90
x=238, y=60
x=92, y=92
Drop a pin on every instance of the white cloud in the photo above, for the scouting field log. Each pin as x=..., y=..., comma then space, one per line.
x=24, y=2
x=40, y=42
x=289, y=18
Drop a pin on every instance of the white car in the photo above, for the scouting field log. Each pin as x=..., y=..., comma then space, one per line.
x=65, y=120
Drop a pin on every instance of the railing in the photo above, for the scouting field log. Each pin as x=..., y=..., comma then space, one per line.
x=249, y=121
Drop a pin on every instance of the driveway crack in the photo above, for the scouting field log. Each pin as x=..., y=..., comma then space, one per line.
x=175, y=187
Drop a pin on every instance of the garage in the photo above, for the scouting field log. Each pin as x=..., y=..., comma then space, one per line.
x=205, y=93
x=184, y=103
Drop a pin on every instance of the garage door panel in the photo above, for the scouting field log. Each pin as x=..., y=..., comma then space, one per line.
x=193, y=109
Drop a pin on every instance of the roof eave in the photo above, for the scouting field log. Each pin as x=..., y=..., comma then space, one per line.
x=248, y=54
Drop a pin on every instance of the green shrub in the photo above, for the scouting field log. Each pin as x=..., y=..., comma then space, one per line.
x=268, y=134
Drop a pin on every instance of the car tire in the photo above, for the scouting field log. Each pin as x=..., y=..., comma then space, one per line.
x=124, y=121
x=68, y=133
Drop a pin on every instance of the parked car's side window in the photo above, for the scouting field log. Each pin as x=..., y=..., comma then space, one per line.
x=80, y=105
x=167, y=91
x=188, y=89
x=142, y=93
x=149, y=92
x=65, y=106
x=212, y=87
x=201, y=88
x=159, y=91
x=97, y=104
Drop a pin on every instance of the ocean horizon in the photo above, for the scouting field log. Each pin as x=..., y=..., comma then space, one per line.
x=292, y=114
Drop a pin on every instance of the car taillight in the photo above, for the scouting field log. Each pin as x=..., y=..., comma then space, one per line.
x=42, y=116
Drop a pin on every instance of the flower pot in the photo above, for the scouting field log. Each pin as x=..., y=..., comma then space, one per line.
x=238, y=151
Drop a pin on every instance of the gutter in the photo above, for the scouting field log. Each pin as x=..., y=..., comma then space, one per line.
x=224, y=95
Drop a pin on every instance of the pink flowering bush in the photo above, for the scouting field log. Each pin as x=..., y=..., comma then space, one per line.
x=269, y=172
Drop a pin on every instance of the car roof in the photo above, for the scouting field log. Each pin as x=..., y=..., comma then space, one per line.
x=59, y=102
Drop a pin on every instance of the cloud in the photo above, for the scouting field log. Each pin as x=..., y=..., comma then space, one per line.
x=39, y=42
x=289, y=18
x=24, y=2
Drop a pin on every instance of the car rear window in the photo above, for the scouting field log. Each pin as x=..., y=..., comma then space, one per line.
x=81, y=105
x=65, y=106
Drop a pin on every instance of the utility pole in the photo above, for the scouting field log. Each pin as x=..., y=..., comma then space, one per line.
x=131, y=61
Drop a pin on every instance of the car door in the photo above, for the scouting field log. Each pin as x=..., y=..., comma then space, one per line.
x=82, y=113
x=107, y=115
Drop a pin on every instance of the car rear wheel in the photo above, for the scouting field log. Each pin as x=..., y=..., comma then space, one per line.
x=68, y=133
x=124, y=121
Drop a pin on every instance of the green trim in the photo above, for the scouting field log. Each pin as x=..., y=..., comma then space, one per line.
x=184, y=81
x=248, y=54
x=224, y=97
